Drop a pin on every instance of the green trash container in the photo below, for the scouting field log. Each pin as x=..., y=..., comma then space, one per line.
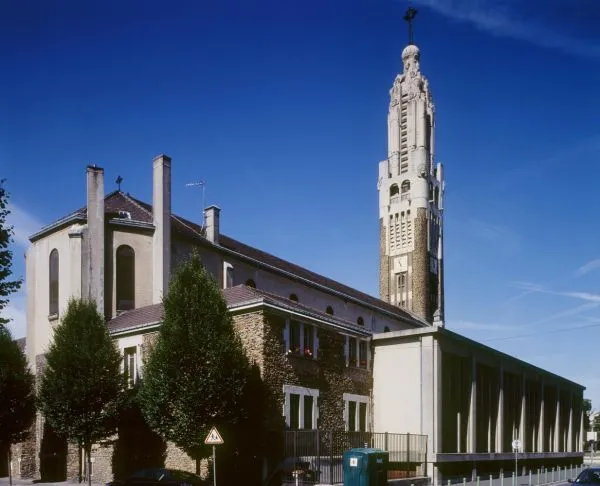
x=365, y=467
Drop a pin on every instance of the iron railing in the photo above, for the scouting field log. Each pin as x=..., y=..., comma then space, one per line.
x=317, y=455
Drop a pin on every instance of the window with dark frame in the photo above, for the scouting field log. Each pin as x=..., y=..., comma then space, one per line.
x=53, y=283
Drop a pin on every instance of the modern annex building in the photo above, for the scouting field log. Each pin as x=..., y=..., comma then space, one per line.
x=390, y=364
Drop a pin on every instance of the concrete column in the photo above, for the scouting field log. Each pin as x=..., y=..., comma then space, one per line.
x=472, y=428
x=95, y=243
x=523, y=435
x=569, y=447
x=161, y=213
x=581, y=437
x=557, y=422
x=500, y=416
x=541, y=431
x=540, y=444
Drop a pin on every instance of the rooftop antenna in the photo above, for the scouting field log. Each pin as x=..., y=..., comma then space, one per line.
x=118, y=181
x=201, y=184
x=409, y=16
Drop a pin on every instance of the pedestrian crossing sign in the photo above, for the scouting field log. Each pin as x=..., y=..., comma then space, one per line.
x=213, y=437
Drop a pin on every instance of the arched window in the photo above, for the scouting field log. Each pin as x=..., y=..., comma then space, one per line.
x=394, y=190
x=386, y=329
x=329, y=310
x=250, y=283
x=360, y=321
x=294, y=297
x=125, y=278
x=53, y=270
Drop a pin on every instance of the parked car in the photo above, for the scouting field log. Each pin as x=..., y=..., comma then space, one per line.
x=161, y=476
x=591, y=475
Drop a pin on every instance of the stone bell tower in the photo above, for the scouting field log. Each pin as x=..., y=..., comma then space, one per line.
x=411, y=188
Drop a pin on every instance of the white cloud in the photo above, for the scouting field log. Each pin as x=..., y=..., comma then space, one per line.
x=503, y=18
x=587, y=268
x=495, y=234
x=15, y=310
x=533, y=287
x=24, y=224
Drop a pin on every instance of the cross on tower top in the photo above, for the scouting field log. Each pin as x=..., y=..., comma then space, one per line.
x=409, y=16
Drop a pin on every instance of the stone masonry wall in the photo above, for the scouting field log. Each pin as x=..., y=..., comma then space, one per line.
x=384, y=264
x=420, y=267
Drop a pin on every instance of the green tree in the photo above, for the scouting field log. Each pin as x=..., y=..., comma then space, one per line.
x=82, y=387
x=197, y=375
x=17, y=393
x=7, y=287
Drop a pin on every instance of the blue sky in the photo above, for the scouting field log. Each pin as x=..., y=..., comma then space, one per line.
x=280, y=106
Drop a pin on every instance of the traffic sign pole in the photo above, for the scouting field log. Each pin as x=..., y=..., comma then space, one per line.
x=214, y=438
x=214, y=465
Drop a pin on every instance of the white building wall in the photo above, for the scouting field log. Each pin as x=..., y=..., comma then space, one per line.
x=39, y=326
x=397, y=384
x=141, y=243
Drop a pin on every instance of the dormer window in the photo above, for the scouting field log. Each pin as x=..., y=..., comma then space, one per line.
x=250, y=283
x=227, y=275
x=294, y=297
x=329, y=310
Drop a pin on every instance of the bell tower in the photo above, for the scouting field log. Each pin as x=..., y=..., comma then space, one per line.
x=411, y=189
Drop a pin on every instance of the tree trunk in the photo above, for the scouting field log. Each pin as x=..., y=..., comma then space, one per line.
x=197, y=466
x=88, y=452
x=9, y=465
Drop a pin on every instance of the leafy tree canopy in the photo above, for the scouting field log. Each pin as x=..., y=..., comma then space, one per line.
x=7, y=287
x=17, y=391
x=196, y=373
x=81, y=391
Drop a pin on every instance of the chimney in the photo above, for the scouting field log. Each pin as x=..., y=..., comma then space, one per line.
x=95, y=223
x=211, y=223
x=161, y=212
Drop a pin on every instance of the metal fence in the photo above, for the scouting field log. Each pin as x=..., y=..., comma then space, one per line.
x=317, y=455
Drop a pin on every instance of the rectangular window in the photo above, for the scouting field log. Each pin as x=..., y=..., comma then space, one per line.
x=352, y=348
x=362, y=354
x=352, y=416
x=228, y=275
x=300, y=407
x=130, y=365
x=403, y=288
x=308, y=412
x=356, y=412
x=362, y=417
x=294, y=337
x=309, y=341
x=294, y=411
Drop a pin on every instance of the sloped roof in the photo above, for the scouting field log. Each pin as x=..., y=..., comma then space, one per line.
x=141, y=212
x=236, y=297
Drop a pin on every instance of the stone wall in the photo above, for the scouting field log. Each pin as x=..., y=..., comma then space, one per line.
x=384, y=264
x=420, y=267
x=328, y=373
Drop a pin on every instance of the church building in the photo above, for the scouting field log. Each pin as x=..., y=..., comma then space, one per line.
x=393, y=366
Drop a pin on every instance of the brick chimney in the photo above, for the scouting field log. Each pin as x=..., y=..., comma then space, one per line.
x=161, y=212
x=95, y=244
x=211, y=223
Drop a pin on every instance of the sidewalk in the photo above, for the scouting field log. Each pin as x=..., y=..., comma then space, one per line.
x=29, y=482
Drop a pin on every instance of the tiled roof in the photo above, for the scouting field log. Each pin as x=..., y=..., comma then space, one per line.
x=142, y=212
x=136, y=318
x=235, y=297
